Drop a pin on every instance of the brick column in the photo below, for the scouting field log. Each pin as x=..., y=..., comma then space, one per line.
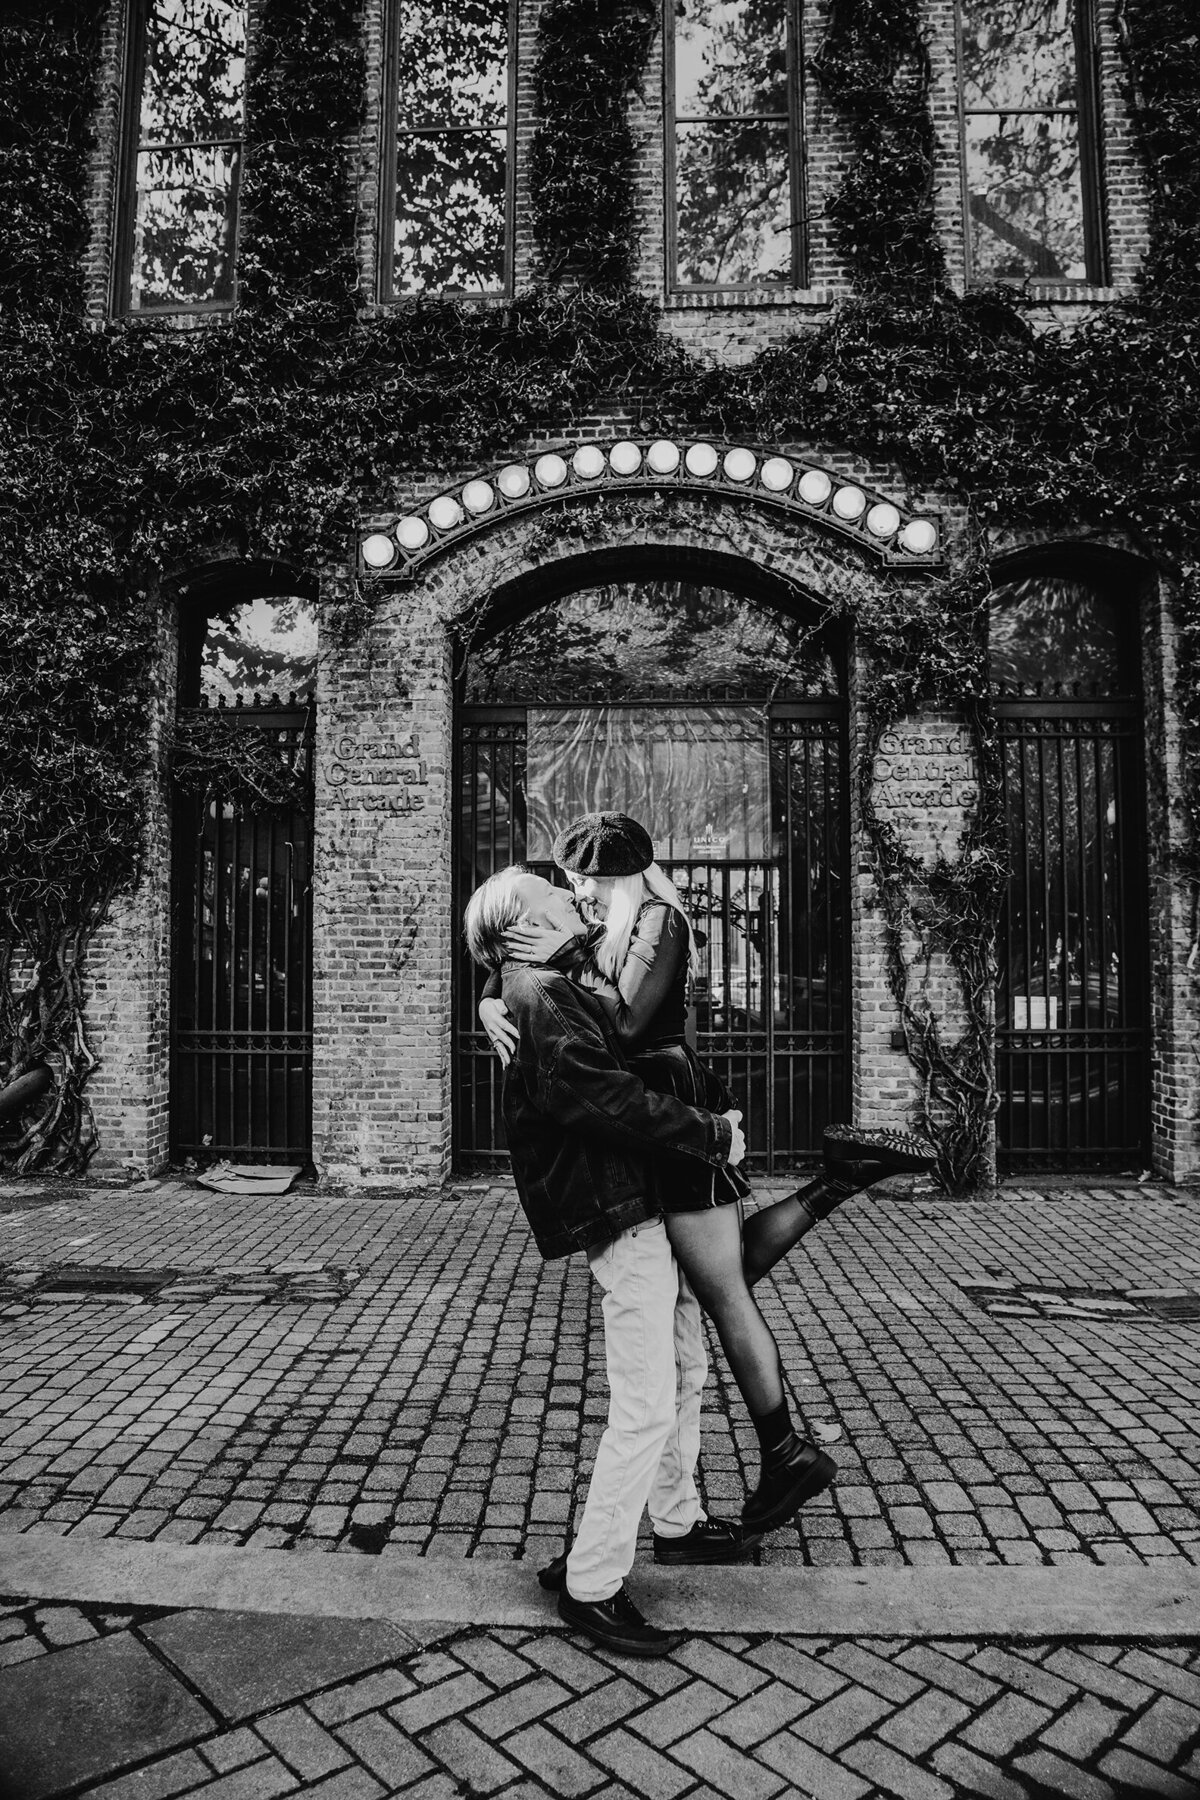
x=127, y=973
x=1174, y=915
x=383, y=928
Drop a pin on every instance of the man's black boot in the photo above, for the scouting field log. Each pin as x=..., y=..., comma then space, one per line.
x=616, y=1624
x=793, y=1472
x=709, y=1541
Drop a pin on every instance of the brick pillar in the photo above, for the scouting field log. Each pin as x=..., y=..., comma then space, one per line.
x=382, y=917
x=1174, y=915
x=127, y=971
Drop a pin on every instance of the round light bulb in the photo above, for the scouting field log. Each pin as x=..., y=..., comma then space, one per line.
x=849, y=503
x=445, y=512
x=513, y=481
x=815, y=487
x=412, y=534
x=883, y=520
x=663, y=456
x=588, y=462
x=550, y=470
x=625, y=458
x=701, y=459
x=378, y=551
x=919, y=536
x=776, y=474
x=740, y=464
x=478, y=496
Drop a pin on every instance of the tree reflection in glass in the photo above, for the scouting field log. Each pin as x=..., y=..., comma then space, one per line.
x=189, y=149
x=452, y=147
x=1020, y=87
x=732, y=139
x=1058, y=628
x=642, y=640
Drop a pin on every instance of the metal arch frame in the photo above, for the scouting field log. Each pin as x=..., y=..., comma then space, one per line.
x=539, y=496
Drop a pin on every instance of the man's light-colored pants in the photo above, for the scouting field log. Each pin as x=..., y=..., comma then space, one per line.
x=654, y=1351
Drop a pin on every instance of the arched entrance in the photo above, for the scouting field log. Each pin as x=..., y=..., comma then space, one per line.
x=1073, y=1002
x=719, y=720
x=241, y=912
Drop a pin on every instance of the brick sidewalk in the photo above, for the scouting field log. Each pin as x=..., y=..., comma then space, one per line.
x=1012, y=1380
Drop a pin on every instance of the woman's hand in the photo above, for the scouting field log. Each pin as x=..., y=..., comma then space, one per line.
x=496, y=1020
x=534, y=943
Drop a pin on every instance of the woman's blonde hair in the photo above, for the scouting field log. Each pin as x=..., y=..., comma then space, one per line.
x=628, y=896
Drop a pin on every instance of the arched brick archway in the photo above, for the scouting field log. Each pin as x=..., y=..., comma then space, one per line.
x=734, y=756
x=386, y=926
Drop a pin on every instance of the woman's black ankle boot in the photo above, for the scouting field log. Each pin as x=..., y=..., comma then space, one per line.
x=856, y=1159
x=792, y=1472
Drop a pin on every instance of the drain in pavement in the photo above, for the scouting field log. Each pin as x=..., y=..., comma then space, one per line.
x=1046, y=1300
x=71, y=1283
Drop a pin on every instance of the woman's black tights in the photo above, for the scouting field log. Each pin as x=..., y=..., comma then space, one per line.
x=708, y=1248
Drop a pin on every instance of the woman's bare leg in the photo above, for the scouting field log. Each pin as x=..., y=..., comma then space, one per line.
x=708, y=1248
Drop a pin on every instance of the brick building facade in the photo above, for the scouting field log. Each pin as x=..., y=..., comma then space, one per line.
x=389, y=708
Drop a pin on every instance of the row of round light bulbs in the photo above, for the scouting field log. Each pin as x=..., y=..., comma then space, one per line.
x=814, y=487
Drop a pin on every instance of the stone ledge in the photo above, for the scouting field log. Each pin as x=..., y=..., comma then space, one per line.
x=428, y=1594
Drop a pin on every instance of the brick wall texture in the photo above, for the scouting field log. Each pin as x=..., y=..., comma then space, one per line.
x=384, y=927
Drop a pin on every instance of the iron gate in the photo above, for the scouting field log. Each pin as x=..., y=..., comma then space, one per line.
x=772, y=996
x=1073, y=1002
x=241, y=1026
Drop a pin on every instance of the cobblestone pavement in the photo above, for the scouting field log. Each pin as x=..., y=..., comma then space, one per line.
x=1011, y=1380
x=1006, y=1381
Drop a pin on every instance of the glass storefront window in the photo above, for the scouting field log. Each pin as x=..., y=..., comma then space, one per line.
x=253, y=650
x=1055, y=629
x=650, y=640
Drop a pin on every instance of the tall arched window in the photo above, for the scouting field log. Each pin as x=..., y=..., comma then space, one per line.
x=1072, y=1003
x=446, y=217
x=185, y=97
x=734, y=144
x=1031, y=141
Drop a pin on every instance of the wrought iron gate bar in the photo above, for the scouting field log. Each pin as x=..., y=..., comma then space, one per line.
x=772, y=1009
x=1073, y=1029
x=241, y=1041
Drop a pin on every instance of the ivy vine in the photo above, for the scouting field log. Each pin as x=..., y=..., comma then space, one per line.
x=129, y=449
x=581, y=161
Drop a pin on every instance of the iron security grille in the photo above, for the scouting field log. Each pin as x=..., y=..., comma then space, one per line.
x=241, y=1062
x=771, y=998
x=1072, y=1004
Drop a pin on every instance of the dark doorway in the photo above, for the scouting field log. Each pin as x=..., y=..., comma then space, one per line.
x=1073, y=1038
x=719, y=724
x=241, y=1015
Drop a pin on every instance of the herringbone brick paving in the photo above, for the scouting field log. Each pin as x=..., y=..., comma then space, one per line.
x=479, y=1712
x=400, y=1375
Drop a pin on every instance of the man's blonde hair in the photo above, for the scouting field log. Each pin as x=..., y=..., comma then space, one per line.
x=491, y=911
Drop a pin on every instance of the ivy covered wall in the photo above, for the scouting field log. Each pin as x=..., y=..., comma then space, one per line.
x=131, y=448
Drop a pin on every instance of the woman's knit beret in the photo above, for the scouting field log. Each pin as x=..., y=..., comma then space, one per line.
x=604, y=843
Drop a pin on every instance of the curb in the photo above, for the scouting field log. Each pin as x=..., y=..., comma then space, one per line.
x=1029, y=1603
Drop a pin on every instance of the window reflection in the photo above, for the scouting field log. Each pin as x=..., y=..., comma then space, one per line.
x=257, y=650
x=190, y=113
x=733, y=140
x=452, y=143
x=648, y=640
x=1059, y=629
x=1024, y=70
